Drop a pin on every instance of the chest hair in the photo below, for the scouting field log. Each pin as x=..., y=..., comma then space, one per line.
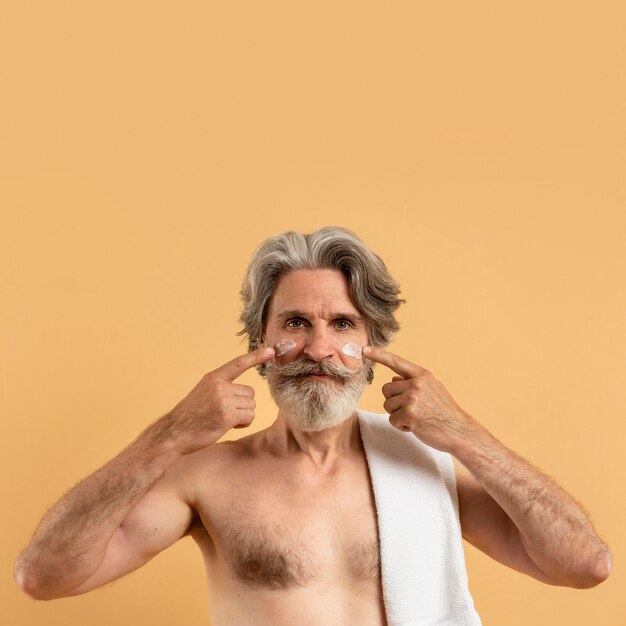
x=270, y=556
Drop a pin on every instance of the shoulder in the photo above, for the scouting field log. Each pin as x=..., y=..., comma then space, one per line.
x=219, y=459
x=209, y=459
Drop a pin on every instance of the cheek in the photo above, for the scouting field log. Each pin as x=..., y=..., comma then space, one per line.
x=353, y=350
x=287, y=350
x=351, y=355
x=349, y=352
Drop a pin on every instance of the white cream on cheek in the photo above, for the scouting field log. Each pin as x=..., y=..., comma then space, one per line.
x=352, y=349
x=284, y=346
x=287, y=345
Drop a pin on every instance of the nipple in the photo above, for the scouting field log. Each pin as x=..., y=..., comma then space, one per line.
x=284, y=346
x=353, y=350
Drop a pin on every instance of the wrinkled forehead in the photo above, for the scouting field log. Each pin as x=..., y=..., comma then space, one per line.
x=319, y=293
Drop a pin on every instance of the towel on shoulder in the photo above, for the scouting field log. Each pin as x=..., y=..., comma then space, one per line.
x=421, y=547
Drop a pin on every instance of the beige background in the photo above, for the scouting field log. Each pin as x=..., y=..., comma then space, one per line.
x=147, y=148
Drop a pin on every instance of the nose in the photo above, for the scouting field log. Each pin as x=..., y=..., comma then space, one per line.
x=319, y=345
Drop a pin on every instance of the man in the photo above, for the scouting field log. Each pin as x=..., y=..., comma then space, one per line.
x=285, y=518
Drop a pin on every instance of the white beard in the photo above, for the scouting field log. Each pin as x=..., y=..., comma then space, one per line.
x=314, y=405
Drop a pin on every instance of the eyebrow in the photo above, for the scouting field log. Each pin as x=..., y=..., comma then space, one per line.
x=295, y=313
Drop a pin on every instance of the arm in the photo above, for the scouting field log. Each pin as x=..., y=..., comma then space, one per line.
x=123, y=514
x=85, y=539
x=508, y=508
x=523, y=519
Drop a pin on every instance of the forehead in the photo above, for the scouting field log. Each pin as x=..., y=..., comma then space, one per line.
x=317, y=290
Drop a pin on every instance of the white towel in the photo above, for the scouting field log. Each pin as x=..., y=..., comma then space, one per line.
x=424, y=578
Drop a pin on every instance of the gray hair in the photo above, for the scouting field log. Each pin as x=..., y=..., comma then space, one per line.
x=372, y=288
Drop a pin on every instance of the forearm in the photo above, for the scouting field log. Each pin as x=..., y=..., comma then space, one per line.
x=553, y=528
x=72, y=538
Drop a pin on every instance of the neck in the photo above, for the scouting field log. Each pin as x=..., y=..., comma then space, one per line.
x=323, y=448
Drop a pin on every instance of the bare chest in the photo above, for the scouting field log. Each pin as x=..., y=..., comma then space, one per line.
x=273, y=527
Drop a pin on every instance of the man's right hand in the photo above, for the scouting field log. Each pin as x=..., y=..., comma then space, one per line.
x=215, y=405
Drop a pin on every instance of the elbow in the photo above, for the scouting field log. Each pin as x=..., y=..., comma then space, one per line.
x=29, y=582
x=597, y=572
x=602, y=568
x=25, y=581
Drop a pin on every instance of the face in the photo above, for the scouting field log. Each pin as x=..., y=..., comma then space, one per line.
x=315, y=379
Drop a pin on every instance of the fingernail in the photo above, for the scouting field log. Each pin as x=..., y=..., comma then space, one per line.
x=367, y=349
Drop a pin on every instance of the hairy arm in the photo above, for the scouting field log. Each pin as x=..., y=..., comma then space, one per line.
x=508, y=508
x=85, y=529
x=133, y=507
x=522, y=518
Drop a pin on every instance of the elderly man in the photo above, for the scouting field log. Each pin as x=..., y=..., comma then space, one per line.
x=286, y=518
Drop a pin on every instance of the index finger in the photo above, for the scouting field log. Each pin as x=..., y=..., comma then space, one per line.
x=401, y=366
x=235, y=368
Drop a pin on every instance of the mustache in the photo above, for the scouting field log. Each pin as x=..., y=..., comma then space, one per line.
x=305, y=367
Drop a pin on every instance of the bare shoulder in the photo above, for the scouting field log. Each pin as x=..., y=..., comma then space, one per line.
x=220, y=454
x=212, y=465
x=210, y=475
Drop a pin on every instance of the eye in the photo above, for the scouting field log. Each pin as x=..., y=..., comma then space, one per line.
x=291, y=323
x=343, y=324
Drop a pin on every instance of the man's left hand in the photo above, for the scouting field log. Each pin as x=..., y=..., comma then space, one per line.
x=417, y=402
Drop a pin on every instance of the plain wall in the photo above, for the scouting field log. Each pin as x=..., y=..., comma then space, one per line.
x=147, y=148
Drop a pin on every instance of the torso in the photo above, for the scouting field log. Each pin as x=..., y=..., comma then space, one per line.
x=285, y=545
